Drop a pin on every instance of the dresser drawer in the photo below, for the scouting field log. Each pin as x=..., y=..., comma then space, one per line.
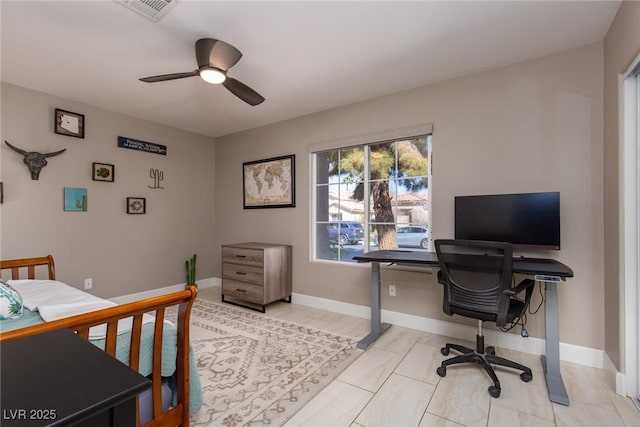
x=243, y=256
x=243, y=291
x=243, y=273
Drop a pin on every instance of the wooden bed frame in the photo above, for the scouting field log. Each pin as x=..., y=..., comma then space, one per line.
x=178, y=414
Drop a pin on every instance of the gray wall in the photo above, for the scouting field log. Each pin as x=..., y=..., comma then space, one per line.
x=533, y=126
x=622, y=45
x=123, y=253
x=539, y=123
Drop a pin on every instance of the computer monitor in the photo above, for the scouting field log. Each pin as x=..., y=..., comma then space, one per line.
x=529, y=220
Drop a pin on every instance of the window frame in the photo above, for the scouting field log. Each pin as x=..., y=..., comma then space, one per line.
x=365, y=141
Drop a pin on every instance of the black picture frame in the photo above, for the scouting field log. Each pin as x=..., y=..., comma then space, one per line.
x=102, y=172
x=256, y=186
x=69, y=123
x=136, y=205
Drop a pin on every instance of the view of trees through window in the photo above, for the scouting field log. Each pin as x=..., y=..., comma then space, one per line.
x=373, y=196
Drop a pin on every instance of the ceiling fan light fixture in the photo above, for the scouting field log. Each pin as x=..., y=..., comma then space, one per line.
x=213, y=75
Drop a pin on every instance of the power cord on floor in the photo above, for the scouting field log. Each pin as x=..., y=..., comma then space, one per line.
x=522, y=319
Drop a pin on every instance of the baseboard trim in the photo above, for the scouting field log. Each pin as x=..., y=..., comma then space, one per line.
x=568, y=352
x=203, y=283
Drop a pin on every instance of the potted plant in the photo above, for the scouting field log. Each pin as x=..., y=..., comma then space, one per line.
x=190, y=267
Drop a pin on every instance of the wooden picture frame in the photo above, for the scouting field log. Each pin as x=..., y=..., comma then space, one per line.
x=102, y=172
x=269, y=183
x=69, y=123
x=136, y=205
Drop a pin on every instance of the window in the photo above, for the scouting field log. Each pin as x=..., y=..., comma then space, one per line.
x=372, y=196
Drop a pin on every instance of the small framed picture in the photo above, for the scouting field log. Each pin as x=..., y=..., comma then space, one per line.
x=102, y=172
x=75, y=199
x=69, y=124
x=136, y=205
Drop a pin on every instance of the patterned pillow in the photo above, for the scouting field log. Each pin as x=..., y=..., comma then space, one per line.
x=10, y=302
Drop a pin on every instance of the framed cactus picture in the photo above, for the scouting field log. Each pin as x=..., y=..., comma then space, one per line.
x=102, y=172
x=75, y=199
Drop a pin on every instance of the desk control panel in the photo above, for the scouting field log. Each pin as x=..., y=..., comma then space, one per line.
x=546, y=278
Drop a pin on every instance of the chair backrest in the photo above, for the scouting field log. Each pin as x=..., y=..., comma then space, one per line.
x=475, y=274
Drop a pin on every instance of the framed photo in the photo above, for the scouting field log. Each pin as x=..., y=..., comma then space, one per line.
x=136, y=205
x=269, y=183
x=75, y=199
x=102, y=172
x=70, y=124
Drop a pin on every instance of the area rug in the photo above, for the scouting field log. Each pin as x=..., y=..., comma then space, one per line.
x=258, y=370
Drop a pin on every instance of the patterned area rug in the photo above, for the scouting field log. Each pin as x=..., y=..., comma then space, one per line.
x=258, y=370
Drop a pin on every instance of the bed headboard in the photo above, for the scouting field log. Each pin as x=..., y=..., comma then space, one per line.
x=29, y=264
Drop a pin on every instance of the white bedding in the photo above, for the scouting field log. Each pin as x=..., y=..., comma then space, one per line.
x=56, y=300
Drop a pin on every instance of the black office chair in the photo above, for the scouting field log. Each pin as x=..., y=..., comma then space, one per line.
x=477, y=279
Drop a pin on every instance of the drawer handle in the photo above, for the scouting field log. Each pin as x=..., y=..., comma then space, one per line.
x=240, y=290
x=241, y=256
x=241, y=273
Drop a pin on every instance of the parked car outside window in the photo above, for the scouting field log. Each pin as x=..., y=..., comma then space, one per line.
x=413, y=236
x=350, y=233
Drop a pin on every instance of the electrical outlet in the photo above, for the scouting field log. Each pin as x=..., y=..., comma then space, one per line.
x=392, y=290
x=88, y=283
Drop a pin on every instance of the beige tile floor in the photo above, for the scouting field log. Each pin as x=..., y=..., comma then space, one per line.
x=394, y=384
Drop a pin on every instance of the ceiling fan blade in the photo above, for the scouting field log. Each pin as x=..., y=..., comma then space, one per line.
x=216, y=53
x=164, y=77
x=243, y=91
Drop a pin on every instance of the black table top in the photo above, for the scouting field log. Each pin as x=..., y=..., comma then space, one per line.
x=57, y=378
x=521, y=265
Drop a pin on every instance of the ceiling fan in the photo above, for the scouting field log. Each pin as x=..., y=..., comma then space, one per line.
x=215, y=57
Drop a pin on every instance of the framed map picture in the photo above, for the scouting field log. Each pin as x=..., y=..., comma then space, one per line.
x=269, y=183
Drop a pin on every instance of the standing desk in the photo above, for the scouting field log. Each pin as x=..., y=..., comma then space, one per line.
x=544, y=270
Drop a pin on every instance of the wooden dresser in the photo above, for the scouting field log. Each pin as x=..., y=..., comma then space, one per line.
x=256, y=273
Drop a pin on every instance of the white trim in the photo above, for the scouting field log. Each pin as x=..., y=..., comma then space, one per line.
x=568, y=352
x=312, y=208
x=387, y=135
x=629, y=232
x=202, y=284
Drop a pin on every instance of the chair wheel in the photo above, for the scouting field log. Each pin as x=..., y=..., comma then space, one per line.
x=494, y=391
x=526, y=377
x=442, y=371
x=444, y=351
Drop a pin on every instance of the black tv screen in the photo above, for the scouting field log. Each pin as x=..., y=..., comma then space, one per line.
x=526, y=220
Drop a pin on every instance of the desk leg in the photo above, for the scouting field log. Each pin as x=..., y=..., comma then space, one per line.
x=551, y=363
x=377, y=327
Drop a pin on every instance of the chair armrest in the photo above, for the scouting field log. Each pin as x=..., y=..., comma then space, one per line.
x=525, y=284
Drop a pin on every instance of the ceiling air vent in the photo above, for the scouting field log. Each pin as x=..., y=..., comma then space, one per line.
x=152, y=9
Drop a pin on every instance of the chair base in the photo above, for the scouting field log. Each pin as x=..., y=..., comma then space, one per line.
x=485, y=357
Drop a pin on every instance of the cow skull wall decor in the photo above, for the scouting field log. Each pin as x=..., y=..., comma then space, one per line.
x=34, y=161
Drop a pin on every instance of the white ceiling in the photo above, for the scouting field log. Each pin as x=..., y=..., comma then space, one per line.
x=302, y=57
